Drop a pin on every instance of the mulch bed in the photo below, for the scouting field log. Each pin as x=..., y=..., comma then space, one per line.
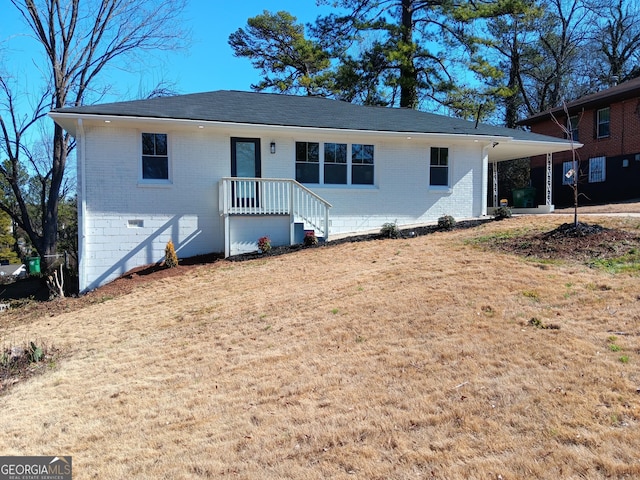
x=403, y=233
x=581, y=242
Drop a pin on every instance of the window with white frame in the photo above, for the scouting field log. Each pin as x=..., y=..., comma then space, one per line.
x=568, y=173
x=329, y=164
x=362, y=164
x=155, y=156
x=335, y=163
x=308, y=162
x=602, y=122
x=439, y=167
x=597, y=169
x=572, y=126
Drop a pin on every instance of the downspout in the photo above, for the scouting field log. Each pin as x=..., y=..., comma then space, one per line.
x=82, y=205
x=485, y=180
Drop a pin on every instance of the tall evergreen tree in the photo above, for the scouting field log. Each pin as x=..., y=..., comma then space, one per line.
x=394, y=52
x=288, y=61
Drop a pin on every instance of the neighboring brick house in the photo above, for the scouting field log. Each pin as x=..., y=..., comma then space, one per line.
x=607, y=124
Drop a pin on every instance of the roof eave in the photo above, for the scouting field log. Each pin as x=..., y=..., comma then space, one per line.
x=69, y=122
x=595, y=100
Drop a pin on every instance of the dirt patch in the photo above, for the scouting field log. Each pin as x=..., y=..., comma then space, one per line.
x=582, y=243
x=18, y=363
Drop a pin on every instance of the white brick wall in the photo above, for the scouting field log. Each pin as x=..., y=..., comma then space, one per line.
x=186, y=211
x=246, y=230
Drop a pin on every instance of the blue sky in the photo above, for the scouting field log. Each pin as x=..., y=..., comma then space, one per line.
x=208, y=64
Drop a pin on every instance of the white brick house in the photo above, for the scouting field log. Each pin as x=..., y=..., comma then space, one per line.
x=215, y=171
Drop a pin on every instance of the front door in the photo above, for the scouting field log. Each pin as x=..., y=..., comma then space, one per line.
x=245, y=163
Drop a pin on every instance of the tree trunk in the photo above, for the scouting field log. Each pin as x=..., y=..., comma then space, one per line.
x=408, y=72
x=49, y=239
x=511, y=107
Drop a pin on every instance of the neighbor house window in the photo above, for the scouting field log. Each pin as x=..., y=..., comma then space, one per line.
x=568, y=173
x=308, y=162
x=602, y=121
x=439, y=169
x=335, y=163
x=155, y=159
x=597, y=171
x=572, y=126
x=361, y=164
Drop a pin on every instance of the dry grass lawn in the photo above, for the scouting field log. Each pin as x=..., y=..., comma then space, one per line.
x=389, y=359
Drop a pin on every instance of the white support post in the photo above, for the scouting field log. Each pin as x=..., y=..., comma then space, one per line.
x=495, y=185
x=326, y=224
x=548, y=181
x=227, y=236
x=292, y=215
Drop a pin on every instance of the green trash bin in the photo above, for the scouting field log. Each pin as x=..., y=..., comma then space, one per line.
x=524, y=197
x=34, y=265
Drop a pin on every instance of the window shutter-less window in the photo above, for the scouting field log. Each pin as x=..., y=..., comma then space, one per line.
x=308, y=162
x=597, y=169
x=439, y=167
x=362, y=164
x=155, y=157
x=567, y=179
x=602, y=122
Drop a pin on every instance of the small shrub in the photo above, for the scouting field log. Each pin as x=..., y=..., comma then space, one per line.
x=264, y=244
x=446, y=222
x=35, y=353
x=501, y=213
x=537, y=323
x=18, y=362
x=390, y=230
x=170, y=257
x=310, y=239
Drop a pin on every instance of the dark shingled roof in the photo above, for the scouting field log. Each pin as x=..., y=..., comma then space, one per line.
x=298, y=111
x=623, y=91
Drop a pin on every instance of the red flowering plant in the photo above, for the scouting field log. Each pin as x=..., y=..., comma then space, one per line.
x=264, y=244
x=310, y=238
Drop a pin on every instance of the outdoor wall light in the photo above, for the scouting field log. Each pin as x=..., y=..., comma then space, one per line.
x=272, y=147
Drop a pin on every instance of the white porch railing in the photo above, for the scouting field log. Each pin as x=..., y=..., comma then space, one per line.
x=275, y=196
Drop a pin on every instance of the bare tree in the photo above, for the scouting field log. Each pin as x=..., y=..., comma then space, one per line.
x=548, y=68
x=616, y=35
x=574, y=173
x=79, y=40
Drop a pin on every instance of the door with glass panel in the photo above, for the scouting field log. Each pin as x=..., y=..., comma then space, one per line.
x=245, y=163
